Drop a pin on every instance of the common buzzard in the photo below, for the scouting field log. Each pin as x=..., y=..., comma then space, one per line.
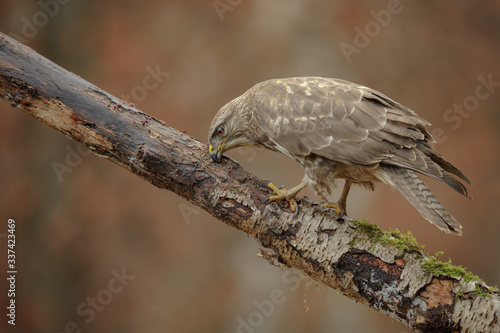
x=338, y=129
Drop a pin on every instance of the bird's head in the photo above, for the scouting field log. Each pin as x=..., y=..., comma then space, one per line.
x=229, y=128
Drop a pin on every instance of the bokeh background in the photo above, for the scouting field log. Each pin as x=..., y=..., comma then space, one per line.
x=182, y=270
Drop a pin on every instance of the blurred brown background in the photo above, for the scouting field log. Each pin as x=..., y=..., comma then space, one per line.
x=181, y=269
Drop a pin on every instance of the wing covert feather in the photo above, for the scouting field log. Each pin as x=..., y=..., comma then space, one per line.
x=335, y=119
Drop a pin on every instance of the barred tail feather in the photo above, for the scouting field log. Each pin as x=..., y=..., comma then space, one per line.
x=421, y=197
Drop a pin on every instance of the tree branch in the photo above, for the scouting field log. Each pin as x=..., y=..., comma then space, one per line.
x=386, y=271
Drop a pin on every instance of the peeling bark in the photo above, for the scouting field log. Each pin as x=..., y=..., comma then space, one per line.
x=384, y=277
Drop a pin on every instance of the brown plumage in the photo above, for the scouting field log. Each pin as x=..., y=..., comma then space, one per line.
x=338, y=129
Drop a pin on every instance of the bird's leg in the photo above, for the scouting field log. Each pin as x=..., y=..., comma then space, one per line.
x=340, y=206
x=343, y=198
x=288, y=195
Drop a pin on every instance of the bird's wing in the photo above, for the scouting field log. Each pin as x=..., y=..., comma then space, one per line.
x=345, y=122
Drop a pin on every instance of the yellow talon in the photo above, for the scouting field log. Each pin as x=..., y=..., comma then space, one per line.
x=336, y=207
x=288, y=195
x=276, y=190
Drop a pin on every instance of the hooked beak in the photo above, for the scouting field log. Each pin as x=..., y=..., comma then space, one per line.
x=216, y=153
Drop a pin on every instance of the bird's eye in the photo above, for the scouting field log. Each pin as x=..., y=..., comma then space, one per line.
x=220, y=131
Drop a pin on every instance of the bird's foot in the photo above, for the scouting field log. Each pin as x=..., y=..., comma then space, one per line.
x=339, y=210
x=341, y=215
x=283, y=193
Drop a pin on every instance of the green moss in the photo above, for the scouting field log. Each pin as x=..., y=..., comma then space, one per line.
x=438, y=267
x=352, y=243
x=405, y=242
x=479, y=291
x=433, y=265
x=459, y=296
x=372, y=230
